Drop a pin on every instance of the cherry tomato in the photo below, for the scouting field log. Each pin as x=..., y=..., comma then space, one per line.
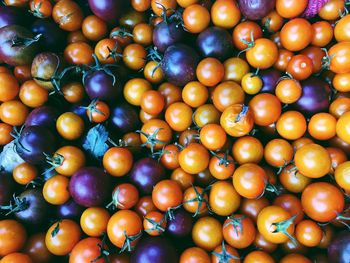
x=272, y=22
x=243, y=33
x=152, y=102
x=133, y=90
x=225, y=252
x=134, y=56
x=284, y=56
x=341, y=175
x=94, y=220
x=24, y=173
x=263, y=53
x=308, y=233
x=153, y=72
x=70, y=125
x=154, y=223
x=5, y=133
x=223, y=198
x=206, y=114
x=9, y=87
x=323, y=33
x=184, y=179
x=226, y=94
x=212, y=136
x=35, y=248
x=94, y=28
x=158, y=6
x=235, y=69
x=13, y=112
x=339, y=56
x=251, y=83
x=16, y=257
x=73, y=92
x=342, y=127
x=170, y=93
x=12, y=235
x=68, y=15
x=142, y=34
x=194, y=254
x=296, y=34
x=221, y=166
x=87, y=250
x=179, y=116
x=78, y=53
x=196, y=18
x=155, y=134
x=291, y=125
x=278, y=152
x=237, y=120
x=167, y=194
x=195, y=94
x=322, y=126
x=300, y=67
x=207, y=233
x=98, y=111
x=258, y=256
x=210, y=71
x=290, y=8
x=225, y=14
x=252, y=207
x=62, y=236
x=55, y=190
x=288, y=91
x=332, y=10
x=33, y=95
x=266, y=109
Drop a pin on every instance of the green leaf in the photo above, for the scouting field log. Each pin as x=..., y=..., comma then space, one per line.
x=96, y=141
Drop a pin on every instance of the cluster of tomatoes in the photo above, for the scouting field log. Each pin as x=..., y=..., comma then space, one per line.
x=153, y=131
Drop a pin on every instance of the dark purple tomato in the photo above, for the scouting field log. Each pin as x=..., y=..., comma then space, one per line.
x=179, y=64
x=256, y=9
x=339, y=249
x=166, y=34
x=154, y=250
x=53, y=38
x=124, y=118
x=215, y=42
x=108, y=10
x=146, y=173
x=10, y=15
x=80, y=109
x=31, y=207
x=6, y=187
x=270, y=77
x=18, y=45
x=180, y=225
x=99, y=84
x=89, y=186
x=45, y=116
x=69, y=210
x=34, y=142
x=315, y=97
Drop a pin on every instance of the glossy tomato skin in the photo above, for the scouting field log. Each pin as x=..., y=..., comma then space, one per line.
x=179, y=64
x=146, y=173
x=166, y=34
x=154, y=250
x=13, y=236
x=181, y=225
x=107, y=10
x=88, y=186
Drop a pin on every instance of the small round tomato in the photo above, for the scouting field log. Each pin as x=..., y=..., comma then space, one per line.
x=97, y=111
x=195, y=94
x=251, y=83
x=262, y=54
x=207, y=233
x=153, y=72
x=294, y=257
x=124, y=196
x=76, y=36
x=341, y=175
x=239, y=231
x=338, y=156
x=108, y=50
x=5, y=133
x=243, y=32
x=13, y=112
x=169, y=156
x=266, y=108
x=70, y=125
x=323, y=33
x=322, y=126
x=342, y=127
x=247, y=149
x=221, y=166
x=296, y=34
x=68, y=159
x=117, y=161
x=33, y=95
x=225, y=253
x=24, y=173
x=179, y=116
x=88, y=249
x=226, y=94
x=278, y=152
x=196, y=18
x=73, y=92
x=225, y=14
x=275, y=224
x=290, y=9
x=9, y=87
x=154, y=223
x=158, y=6
x=291, y=125
x=292, y=204
x=194, y=254
x=141, y=5
x=308, y=233
x=142, y=34
x=206, y=114
x=258, y=256
x=312, y=160
x=155, y=134
x=134, y=56
x=300, y=67
x=144, y=206
x=284, y=56
x=94, y=220
x=152, y=102
x=339, y=57
x=329, y=200
x=212, y=136
x=341, y=82
x=272, y=22
x=55, y=190
x=332, y=10
x=12, y=235
x=250, y=180
x=122, y=226
x=288, y=91
x=78, y=53
x=62, y=236
x=68, y=15
x=133, y=90
x=94, y=28
x=16, y=258
x=194, y=158
x=170, y=93
x=235, y=69
x=292, y=180
x=237, y=120
x=210, y=71
x=223, y=198
x=167, y=194
x=195, y=200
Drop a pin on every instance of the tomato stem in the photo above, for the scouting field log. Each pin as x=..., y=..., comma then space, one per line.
x=224, y=256
x=283, y=227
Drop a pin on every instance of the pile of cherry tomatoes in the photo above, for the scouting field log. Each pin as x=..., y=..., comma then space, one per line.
x=165, y=131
